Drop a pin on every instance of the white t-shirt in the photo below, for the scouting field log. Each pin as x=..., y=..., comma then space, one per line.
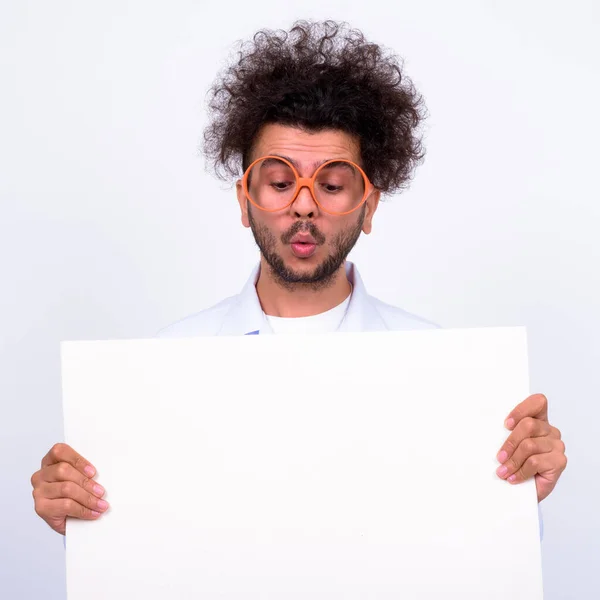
x=325, y=322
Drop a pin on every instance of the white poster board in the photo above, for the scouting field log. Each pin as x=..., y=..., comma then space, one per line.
x=346, y=466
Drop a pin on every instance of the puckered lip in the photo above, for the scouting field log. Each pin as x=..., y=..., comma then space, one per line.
x=303, y=238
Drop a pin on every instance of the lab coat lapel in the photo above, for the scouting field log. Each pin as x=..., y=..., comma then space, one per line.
x=246, y=317
x=361, y=314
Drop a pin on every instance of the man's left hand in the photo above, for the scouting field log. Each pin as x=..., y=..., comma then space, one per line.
x=534, y=448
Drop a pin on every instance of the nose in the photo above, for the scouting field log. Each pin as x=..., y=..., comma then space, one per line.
x=304, y=206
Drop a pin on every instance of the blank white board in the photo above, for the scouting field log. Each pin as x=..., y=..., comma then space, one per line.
x=336, y=466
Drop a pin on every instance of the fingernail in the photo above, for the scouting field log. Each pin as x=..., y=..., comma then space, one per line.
x=502, y=471
x=502, y=456
x=509, y=423
x=512, y=478
x=102, y=504
x=89, y=471
x=95, y=514
x=100, y=491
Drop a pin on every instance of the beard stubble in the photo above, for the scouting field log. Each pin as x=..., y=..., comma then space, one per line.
x=323, y=275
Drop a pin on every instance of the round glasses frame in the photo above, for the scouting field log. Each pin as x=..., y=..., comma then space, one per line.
x=308, y=182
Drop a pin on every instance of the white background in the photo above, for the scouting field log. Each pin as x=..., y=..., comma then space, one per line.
x=110, y=227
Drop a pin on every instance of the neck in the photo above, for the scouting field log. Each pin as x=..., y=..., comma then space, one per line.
x=300, y=300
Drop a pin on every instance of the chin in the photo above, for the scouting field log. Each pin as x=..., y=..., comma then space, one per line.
x=303, y=265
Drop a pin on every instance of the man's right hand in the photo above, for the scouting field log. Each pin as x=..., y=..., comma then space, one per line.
x=64, y=487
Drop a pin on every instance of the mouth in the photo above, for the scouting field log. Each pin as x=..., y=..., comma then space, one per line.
x=303, y=245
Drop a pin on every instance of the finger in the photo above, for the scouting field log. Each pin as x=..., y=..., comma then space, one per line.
x=527, y=428
x=64, y=453
x=552, y=463
x=528, y=447
x=56, y=510
x=535, y=406
x=65, y=472
x=555, y=433
x=68, y=489
x=36, y=478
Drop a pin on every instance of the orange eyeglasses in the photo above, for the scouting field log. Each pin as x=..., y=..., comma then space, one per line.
x=338, y=187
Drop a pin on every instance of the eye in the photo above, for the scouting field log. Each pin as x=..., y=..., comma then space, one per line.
x=281, y=185
x=331, y=188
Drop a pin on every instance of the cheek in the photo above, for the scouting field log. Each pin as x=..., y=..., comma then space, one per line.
x=274, y=225
x=268, y=225
x=342, y=226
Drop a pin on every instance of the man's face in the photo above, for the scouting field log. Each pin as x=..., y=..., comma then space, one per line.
x=302, y=244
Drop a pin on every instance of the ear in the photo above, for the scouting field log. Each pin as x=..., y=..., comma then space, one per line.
x=243, y=202
x=372, y=203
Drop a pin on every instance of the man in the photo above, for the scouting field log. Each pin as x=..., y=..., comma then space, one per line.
x=317, y=123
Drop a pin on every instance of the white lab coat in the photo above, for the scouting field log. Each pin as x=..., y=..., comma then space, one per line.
x=242, y=314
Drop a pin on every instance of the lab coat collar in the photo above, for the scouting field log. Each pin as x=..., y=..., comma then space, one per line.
x=246, y=317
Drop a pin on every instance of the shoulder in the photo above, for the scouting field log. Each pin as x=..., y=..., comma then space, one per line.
x=206, y=322
x=397, y=318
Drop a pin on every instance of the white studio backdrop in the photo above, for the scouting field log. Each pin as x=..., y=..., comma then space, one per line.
x=111, y=228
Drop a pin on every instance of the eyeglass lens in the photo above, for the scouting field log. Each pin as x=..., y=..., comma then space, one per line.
x=339, y=186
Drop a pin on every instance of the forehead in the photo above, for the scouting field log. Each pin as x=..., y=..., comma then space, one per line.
x=305, y=147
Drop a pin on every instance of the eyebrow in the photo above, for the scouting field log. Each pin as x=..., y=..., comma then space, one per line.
x=315, y=165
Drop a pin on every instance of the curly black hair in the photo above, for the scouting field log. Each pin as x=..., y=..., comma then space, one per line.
x=317, y=76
